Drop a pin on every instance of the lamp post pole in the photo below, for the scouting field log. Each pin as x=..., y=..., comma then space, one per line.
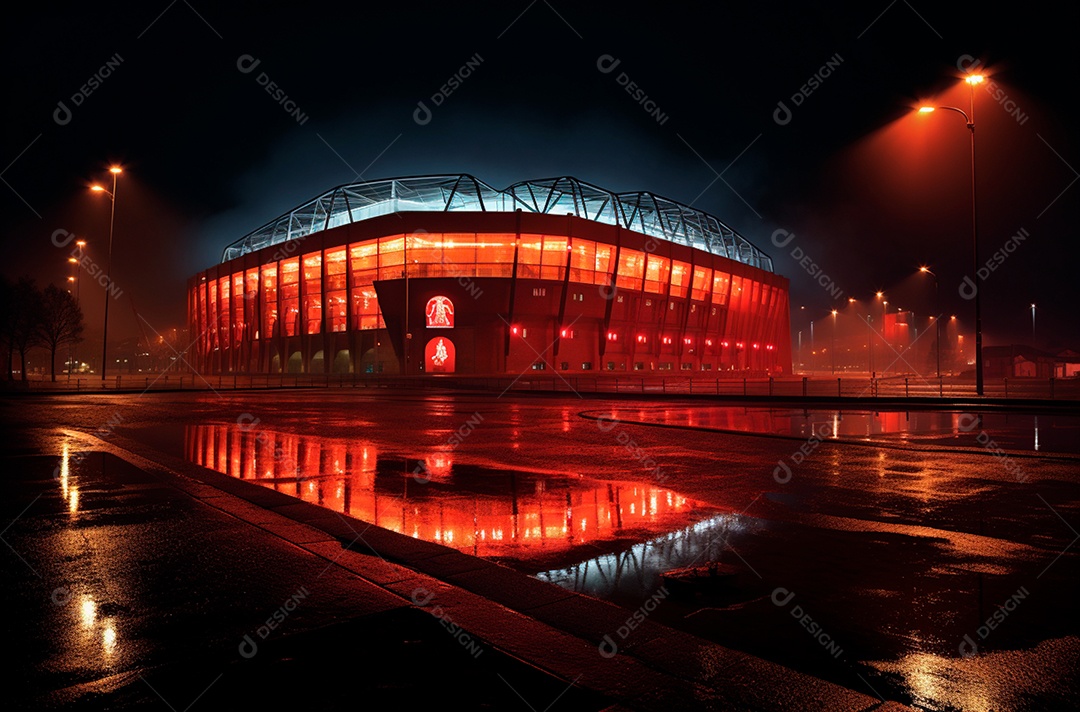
x=969, y=120
x=937, y=319
x=115, y=170
x=834, y=342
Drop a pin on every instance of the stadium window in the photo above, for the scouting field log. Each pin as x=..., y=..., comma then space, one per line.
x=706, y=367
x=671, y=306
x=539, y=366
x=693, y=308
x=639, y=365
x=686, y=366
x=564, y=366
x=586, y=366
x=539, y=291
x=648, y=302
x=611, y=365
x=665, y=366
x=619, y=299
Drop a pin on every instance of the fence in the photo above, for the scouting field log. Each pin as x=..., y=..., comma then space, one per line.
x=788, y=387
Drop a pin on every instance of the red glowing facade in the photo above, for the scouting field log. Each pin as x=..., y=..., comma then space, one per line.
x=485, y=291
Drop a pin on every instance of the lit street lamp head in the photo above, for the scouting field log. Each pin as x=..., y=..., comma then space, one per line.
x=974, y=79
x=116, y=169
x=926, y=109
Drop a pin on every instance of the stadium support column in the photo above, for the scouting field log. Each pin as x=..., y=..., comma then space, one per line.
x=686, y=313
x=327, y=338
x=565, y=288
x=513, y=291
x=613, y=289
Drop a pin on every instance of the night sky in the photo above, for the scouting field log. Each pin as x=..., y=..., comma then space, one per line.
x=869, y=189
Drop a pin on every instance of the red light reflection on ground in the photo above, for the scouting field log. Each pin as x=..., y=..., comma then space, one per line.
x=493, y=514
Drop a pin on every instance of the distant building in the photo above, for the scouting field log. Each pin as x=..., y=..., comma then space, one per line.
x=1019, y=361
x=443, y=274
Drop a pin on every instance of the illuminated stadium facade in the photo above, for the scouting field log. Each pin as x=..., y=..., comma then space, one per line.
x=445, y=274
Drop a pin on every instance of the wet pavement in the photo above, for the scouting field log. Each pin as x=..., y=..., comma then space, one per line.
x=125, y=592
x=918, y=565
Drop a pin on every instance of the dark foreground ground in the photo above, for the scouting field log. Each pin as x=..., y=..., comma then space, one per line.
x=925, y=570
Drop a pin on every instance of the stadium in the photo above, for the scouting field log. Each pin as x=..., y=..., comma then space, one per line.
x=445, y=274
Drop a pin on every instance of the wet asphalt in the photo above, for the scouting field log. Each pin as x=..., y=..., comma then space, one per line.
x=131, y=592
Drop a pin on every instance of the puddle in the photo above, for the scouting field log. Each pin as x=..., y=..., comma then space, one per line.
x=526, y=519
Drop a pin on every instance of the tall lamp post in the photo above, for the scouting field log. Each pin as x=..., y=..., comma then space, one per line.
x=884, y=330
x=879, y=295
x=969, y=119
x=937, y=321
x=1032, y=324
x=115, y=170
x=834, y=341
x=75, y=280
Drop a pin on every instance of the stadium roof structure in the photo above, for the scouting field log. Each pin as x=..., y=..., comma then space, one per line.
x=641, y=212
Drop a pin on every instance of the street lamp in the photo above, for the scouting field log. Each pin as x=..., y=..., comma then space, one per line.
x=115, y=170
x=969, y=118
x=74, y=279
x=937, y=321
x=1033, y=325
x=884, y=328
x=834, y=342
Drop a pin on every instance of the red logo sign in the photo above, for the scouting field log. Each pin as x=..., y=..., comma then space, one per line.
x=440, y=313
x=440, y=355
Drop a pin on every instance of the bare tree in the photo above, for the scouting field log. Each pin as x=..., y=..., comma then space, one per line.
x=7, y=323
x=25, y=307
x=60, y=323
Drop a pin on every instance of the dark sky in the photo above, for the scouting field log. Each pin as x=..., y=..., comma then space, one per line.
x=869, y=189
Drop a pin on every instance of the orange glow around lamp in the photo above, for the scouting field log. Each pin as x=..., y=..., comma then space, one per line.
x=969, y=119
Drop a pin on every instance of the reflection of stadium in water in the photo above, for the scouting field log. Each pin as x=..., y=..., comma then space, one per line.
x=635, y=573
x=515, y=515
